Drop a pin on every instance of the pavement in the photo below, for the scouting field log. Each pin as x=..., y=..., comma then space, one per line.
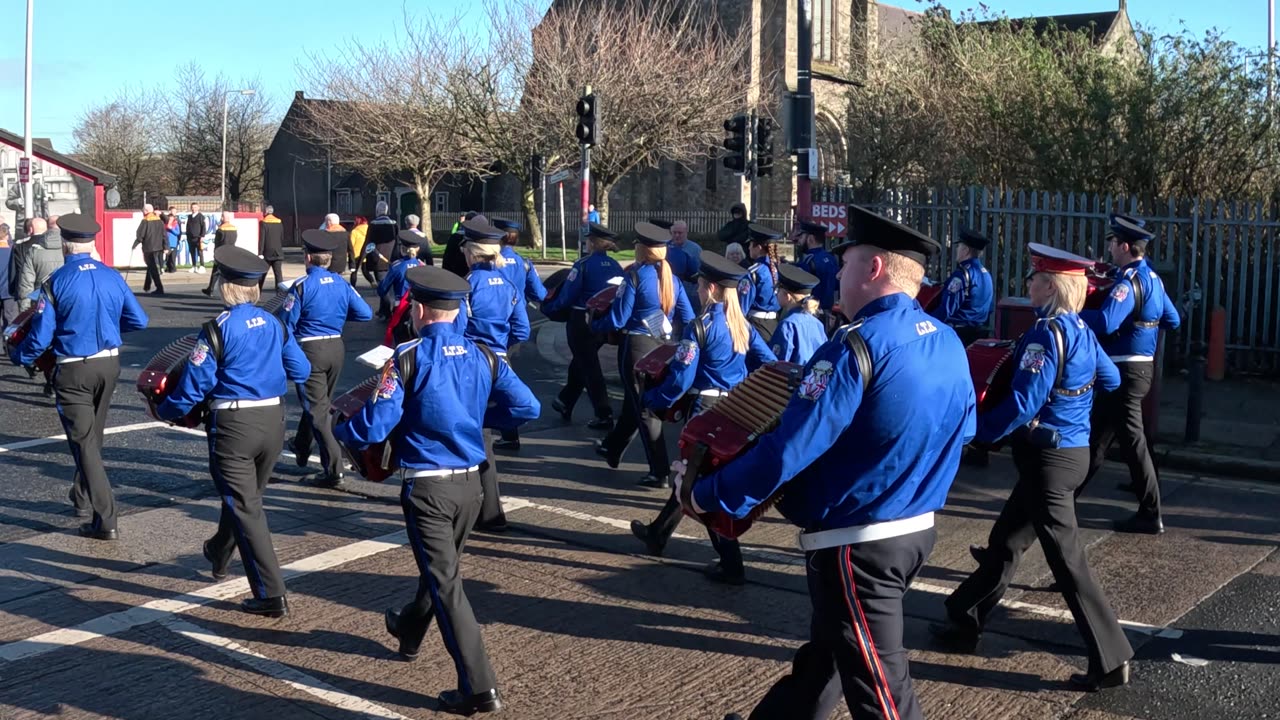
x=578, y=622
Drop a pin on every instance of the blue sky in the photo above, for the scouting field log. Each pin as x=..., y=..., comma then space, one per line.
x=126, y=42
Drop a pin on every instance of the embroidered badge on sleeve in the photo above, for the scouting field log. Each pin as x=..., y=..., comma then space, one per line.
x=1120, y=292
x=815, y=383
x=289, y=301
x=1032, y=358
x=955, y=285
x=686, y=351
x=390, y=380
x=199, y=353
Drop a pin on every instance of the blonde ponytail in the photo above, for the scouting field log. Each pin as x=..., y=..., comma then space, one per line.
x=657, y=256
x=739, y=330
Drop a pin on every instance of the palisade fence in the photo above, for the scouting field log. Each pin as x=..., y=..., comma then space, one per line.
x=1209, y=253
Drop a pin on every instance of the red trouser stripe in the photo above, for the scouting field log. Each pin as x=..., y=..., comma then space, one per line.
x=865, y=642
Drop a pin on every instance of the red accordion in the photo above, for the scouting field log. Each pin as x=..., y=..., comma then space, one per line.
x=18, y=330
x=161, y=376
x=722, y=433
x=991, y=366
x=929, y=296
x=598, y=307
x=652, y=371
x=377, y=462
x=1014, y=315
x=553, y=285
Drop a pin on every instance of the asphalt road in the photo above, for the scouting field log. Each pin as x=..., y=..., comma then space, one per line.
x=578, y=622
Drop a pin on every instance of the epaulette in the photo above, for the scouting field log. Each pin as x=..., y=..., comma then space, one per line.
x=407, y=346
x=222, y=317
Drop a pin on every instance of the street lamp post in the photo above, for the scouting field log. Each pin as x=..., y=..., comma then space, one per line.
x=27, y=209
x=225, y=99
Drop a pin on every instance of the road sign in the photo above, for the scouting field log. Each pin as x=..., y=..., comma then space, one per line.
x=559, y=177
x=24, y=170
x=833, y=215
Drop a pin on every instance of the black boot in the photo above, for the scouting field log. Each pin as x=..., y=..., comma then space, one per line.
x=453, y=701
x=1093, y=681
x=276, y=607
x=392, y=620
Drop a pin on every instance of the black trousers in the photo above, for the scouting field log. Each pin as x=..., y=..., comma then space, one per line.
x=970, y=334
x=491, y=508
x=277, y=267
x=855, y=637
x=664, y=526
x=438, y=514
x=83, y=397
x=1042, y=506
x=213, y=277
x=764, y=326
x=634, y=415
x=1117, y=416
x=326, y=358
x=243, y=447
x=195, y=249
x=171, y=260
x=8, y=310
x=584, y=367
x=155, y=260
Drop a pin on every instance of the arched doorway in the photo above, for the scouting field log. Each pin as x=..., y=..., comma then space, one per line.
x=833, y=152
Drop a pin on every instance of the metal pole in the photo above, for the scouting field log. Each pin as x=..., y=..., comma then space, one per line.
x=1195, y=396
x=805, y=153
x=749, y=160
x=27, y=209
x=562, y=222
x=225, y=99
x=543, y=177
x=586, y=190
x=1271, y=50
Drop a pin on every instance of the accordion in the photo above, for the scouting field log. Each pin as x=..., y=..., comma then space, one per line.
x=377, y=462
x=991, y=366
x=717, y=436
x=929, y=296
x=17, y=331
x=553, y=285
x=598, y=306
x=652, y=370
x=163, y=373
x=272, y=305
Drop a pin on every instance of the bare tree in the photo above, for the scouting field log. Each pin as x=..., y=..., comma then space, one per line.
x=122, y=137
x=193, y=134
x=390, y=111
x=666, y=72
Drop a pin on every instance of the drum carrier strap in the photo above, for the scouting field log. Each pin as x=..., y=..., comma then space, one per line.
x=1060, y=342
x=861, y=356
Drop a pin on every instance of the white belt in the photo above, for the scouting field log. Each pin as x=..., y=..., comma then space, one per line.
x=242, y=404
x=319, y=337
x=641, y=333
x=709, y=393
x=864, y=533
x=105, y=353
x=763, y=315
x=579, y=307
x=438, y=473
x=1131, y=358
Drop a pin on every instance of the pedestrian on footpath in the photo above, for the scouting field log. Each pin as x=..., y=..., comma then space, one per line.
x=241, y=365
x=437, y=394
x=82, y=311
x=43, y=257
x=173, y=235
x=224, y=236
x=316, y=308
x=1046, y=419
x=197, y=227
x=271, y=244
x=150, y=236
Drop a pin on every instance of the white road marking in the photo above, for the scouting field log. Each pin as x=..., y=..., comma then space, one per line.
x=290, y=676
x=37, y=442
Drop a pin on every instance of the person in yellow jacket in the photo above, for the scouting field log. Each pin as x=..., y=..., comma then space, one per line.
x=358, y=235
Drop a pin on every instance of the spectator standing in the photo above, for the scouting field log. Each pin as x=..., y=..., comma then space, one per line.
x=38, y=263
x=8, y=306
x=150, y=236
x=197, y=228
x=173, y=235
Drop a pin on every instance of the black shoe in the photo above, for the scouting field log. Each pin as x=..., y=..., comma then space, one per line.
x=326, y=480
x=954, y=638
x=716, y=573
x=978, y=552
x=392, y=620
x=494, y=526
x=300, y=458
x=512, y=445
x=566, y=413
x=600, y=423
x=651, y=544
x=219, y=569
x=1141, y=523
x=207, y=291
x=733, y=716
x=609, y=457
x=658, y=483
x=89, y=531
x=452, y=701
x=276, y=607
x=1092, y=682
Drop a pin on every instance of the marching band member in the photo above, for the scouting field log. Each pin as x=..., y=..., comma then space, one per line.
x=497, y=318
x=867, y=449
x=1047, y=419
x=83, y=308
x=969, y=294
x=759, y=301
x=314, y=311
x=800, y=333
x=1129, y=324
x=649, y=299
x=242, y=362
x=523, y=276
x=590, y=274
x=393, y=286
x=437, y=394
x=810, y=240
x=711, y=359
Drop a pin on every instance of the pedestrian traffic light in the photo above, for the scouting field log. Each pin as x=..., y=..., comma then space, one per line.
x=736, y=143
x=588, y=130
x=764, y=146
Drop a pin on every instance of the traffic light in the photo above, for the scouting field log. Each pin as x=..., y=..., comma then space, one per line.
x=764, y=146
x=588, y=130
x=736, y=143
